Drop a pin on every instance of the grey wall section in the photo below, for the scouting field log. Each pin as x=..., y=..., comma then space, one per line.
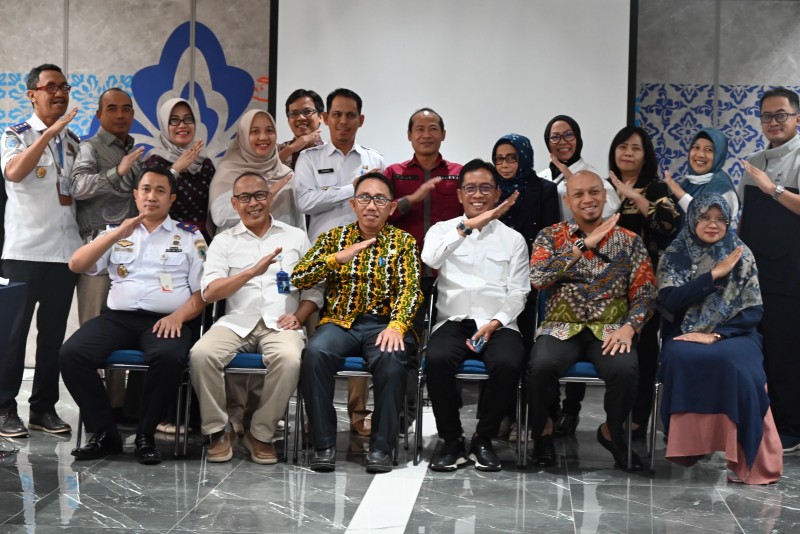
x=705, y=63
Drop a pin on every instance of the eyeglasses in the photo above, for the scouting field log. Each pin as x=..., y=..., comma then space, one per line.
x=188, y=120
x=379, y=200
x=707, y=219
x=245, y=198
x=567, y=136
x=471, y=189
x=511, y=158
x=295, y=113
x=783, y=116
x=53, y=88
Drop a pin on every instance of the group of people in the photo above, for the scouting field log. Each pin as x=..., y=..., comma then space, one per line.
x=321, y=251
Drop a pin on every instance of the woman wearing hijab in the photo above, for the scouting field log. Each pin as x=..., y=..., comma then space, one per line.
x=648, y=210
x=178, y=151
x=254, y=150
x=712, y=365
x=563, y=138
x=707, y=156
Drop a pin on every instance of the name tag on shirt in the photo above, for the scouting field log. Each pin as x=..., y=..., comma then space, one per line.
x=324, y=171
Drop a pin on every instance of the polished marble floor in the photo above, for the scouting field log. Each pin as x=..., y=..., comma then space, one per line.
x=43, y=490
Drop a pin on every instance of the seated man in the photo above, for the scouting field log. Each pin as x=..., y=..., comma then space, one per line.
x=600, y=292
x=483, y=286
x=155, y=266
x=248, y=265
x=371, y=274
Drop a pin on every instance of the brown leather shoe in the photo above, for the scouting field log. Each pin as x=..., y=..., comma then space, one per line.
x=362, y=427
x=221, y=447
x=260, y=451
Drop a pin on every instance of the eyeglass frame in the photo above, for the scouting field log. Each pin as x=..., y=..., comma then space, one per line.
x=305, y=112
x=705, y=219
x=499, y=160
x=485, y=189
x=64, y=88
x=767, y=118
x=251, y=196
x=555, y=138
x=188, y=120
x=380, y=201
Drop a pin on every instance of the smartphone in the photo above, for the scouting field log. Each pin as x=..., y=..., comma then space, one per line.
x=478, y=344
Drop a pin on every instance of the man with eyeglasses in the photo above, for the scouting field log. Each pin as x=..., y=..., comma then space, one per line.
x=483, y=286
x=41, y=235
x=249, y=265
x=371, y=275
x=770, y=226
x=304, y=109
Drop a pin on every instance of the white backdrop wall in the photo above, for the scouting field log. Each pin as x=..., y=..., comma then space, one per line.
x=488, y=67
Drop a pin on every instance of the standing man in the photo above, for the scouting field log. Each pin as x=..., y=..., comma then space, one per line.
x=304, y=109
x=324, y=181
x=244, y=266
x=41, y=235
x=155, y=266
x=600, y=292
x=483, y=286
x=770, y=226
x=102, y=184
x=371, y=274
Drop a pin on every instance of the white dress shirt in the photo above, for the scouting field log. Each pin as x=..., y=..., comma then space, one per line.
x=237, y=249
x=483, y=276
x=323, y=183
x=612, y=199
x=140, y=264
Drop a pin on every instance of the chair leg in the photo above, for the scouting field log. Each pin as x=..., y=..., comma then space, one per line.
x=178, y=418
x=653, y=429
x=79, y=437
x=286, y=434
x=521, y=459
x=630, y=440
x=298, y=423
x=405, y=422
x=418, y=422
x=186, y=412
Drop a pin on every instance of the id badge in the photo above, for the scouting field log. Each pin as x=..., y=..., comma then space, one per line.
x=166, y=282
x=283, y=282
x=62, y=186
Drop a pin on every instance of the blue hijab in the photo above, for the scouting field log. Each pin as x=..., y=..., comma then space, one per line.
x=720, y=181
x=525, y=172
x=688, y=257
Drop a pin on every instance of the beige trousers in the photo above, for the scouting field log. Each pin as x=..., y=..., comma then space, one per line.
x=280, y=349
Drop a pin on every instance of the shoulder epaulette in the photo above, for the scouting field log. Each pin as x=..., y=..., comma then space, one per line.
x=21, y=127
x=188, y=227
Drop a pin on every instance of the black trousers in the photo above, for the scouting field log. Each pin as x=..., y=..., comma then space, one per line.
x=447, y=349
x=323, y=356
x=550, y=359
x=89, y=347
x=781, y=340
x=51, y=285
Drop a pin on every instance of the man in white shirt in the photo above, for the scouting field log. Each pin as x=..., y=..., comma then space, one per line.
x=249, y=265
x=482, y=288
x=41, y=234
x=304, y=109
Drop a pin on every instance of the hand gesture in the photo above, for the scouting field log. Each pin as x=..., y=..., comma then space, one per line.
x=627, y=190
x=674, y=187
x=263, y=264
x=479, y=221
x=168, y=326
x=307, y=140
x=288, y=321
x=58, y=126
x=126, y=227
x=128, y=160
x=619, y=341
x=601, y=231
x=390, y=340
x=727, y=264
x=188, y=157
x=486, y=332
x=763, y=181
x=275, y=188
x=561, y=167
x=424, y=190
x=344, y=256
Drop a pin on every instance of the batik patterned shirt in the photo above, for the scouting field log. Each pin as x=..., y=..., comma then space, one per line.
x=607, y=287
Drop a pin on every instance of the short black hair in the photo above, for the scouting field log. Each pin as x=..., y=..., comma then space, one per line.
x=319, y=105
x=794, y=100
x=249, y=173
x=421, y=110
x=476, y=165
x=163, y=171
x=650, y=167
x=109, y=90
x=32, y=81
x=374, y=176
x=346, y=93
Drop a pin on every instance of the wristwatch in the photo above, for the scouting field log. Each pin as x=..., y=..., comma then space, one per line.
x=581, y=244
x=778, y=190
x=174, y=173
x=463, y=228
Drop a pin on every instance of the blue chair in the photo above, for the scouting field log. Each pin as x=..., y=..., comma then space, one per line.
x=132, y=360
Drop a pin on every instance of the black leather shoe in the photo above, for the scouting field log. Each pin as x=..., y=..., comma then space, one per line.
x=450, y=456
x=324, y=460
x=146, y=451
x=379, y=462
x=11, y=426
x=482, y=453
x=566, y=425
x=620, y=455
x=49, y=422
x=544, y=452
x=100, y=445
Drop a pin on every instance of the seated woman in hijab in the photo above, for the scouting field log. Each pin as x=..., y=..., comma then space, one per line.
x=254, y=150
x=179, y=151
x=712, y=368
x=707, y=156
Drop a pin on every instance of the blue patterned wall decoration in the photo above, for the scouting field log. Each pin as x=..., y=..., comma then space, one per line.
x=673, y=114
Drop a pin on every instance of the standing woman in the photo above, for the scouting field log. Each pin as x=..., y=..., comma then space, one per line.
x=254, y=150
x=707, y=156
x=648, y=210
x=178, y=151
